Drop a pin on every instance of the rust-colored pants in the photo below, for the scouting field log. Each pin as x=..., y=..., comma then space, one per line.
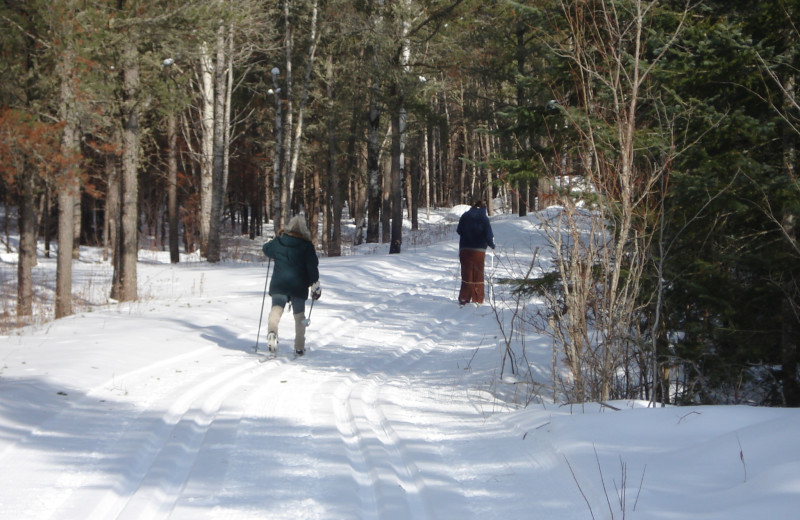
x=471, y=276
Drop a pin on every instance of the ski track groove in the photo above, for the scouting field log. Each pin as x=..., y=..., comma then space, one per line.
x=149, y=488
x=91, y=397
x=260, y=436
x=401, y=473
x=384, y=472
x=84, y=420
x=159, y=462
x=186, y=425
x=361, y=468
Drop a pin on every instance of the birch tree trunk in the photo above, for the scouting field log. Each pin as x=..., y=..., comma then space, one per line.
x=399, y=119
x=426, y=168
x=218, y=187
x=298, y=131
x=397, y=174
x=286, y=190
x=206, y=145
x=277, y=173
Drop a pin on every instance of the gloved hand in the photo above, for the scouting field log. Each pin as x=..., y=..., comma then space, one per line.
x=316, y=290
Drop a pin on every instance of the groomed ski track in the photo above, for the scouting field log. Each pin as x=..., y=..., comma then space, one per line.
x=186, y=423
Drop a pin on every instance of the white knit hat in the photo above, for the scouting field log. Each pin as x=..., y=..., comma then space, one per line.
x=297, y=226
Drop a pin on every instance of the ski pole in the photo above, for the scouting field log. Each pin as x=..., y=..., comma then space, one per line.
x=491, y=276
x=263, y=299
x=307, y=321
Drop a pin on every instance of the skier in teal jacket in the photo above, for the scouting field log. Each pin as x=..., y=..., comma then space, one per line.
x=296, y=270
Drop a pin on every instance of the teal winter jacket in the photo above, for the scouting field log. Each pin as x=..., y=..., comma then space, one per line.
x=296, y=265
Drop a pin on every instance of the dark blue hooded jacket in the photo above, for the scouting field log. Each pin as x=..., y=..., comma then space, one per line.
x=475, y=230
x=296, y=265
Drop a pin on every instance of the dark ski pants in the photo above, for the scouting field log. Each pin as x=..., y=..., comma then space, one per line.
x=472, y=261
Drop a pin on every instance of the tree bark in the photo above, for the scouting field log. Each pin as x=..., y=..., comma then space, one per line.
x=286, y=188
x=298, y=131
x=129, y=232
x=218, y=187
x=520, y=53
x=172, y=187
x=113, y=214
x=27, y=245
x=397, y=174
x=206, y=146
x=790, y=309
x=334, y=246
x=68, y=190
x=373, y=169
x=277, y=173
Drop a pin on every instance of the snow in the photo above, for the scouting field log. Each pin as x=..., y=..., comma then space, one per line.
x=160, y=409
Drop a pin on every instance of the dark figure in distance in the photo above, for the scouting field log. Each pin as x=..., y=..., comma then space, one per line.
x=476, y=235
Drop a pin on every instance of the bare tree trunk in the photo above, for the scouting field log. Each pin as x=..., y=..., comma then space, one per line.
x=488, y=172
x=112, y=204
x=397, y=174
x=44, y=216
x=412, y=192
x=399, y=118
x=277, y=173
x=312, y=188
x=76, y=226
x=113, y=214
x=129, y=236
x=68, y=190
x=206, y=146
x=66, y=208
x=521, y=54
x=27, y=245
x=298, y=131
x=286, y=188
x=334, y=246
x=386, y=200
x=218, y=187
x=435, y=162
x=790, y=311
x=352, y=184
x=446, y=158
x=172, y=187
x=426, y=168
x=373, y=169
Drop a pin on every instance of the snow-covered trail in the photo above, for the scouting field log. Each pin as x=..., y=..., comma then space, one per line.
x=180, y=420
x=160, y=410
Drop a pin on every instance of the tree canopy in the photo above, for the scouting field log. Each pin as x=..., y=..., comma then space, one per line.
x=681, y=120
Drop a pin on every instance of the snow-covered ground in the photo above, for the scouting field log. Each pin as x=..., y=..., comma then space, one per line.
x=160, y=409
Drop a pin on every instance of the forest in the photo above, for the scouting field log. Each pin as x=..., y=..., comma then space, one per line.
x=670, y=126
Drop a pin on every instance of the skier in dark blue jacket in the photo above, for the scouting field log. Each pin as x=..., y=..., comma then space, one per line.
x=296, y=270
x=476, y=235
